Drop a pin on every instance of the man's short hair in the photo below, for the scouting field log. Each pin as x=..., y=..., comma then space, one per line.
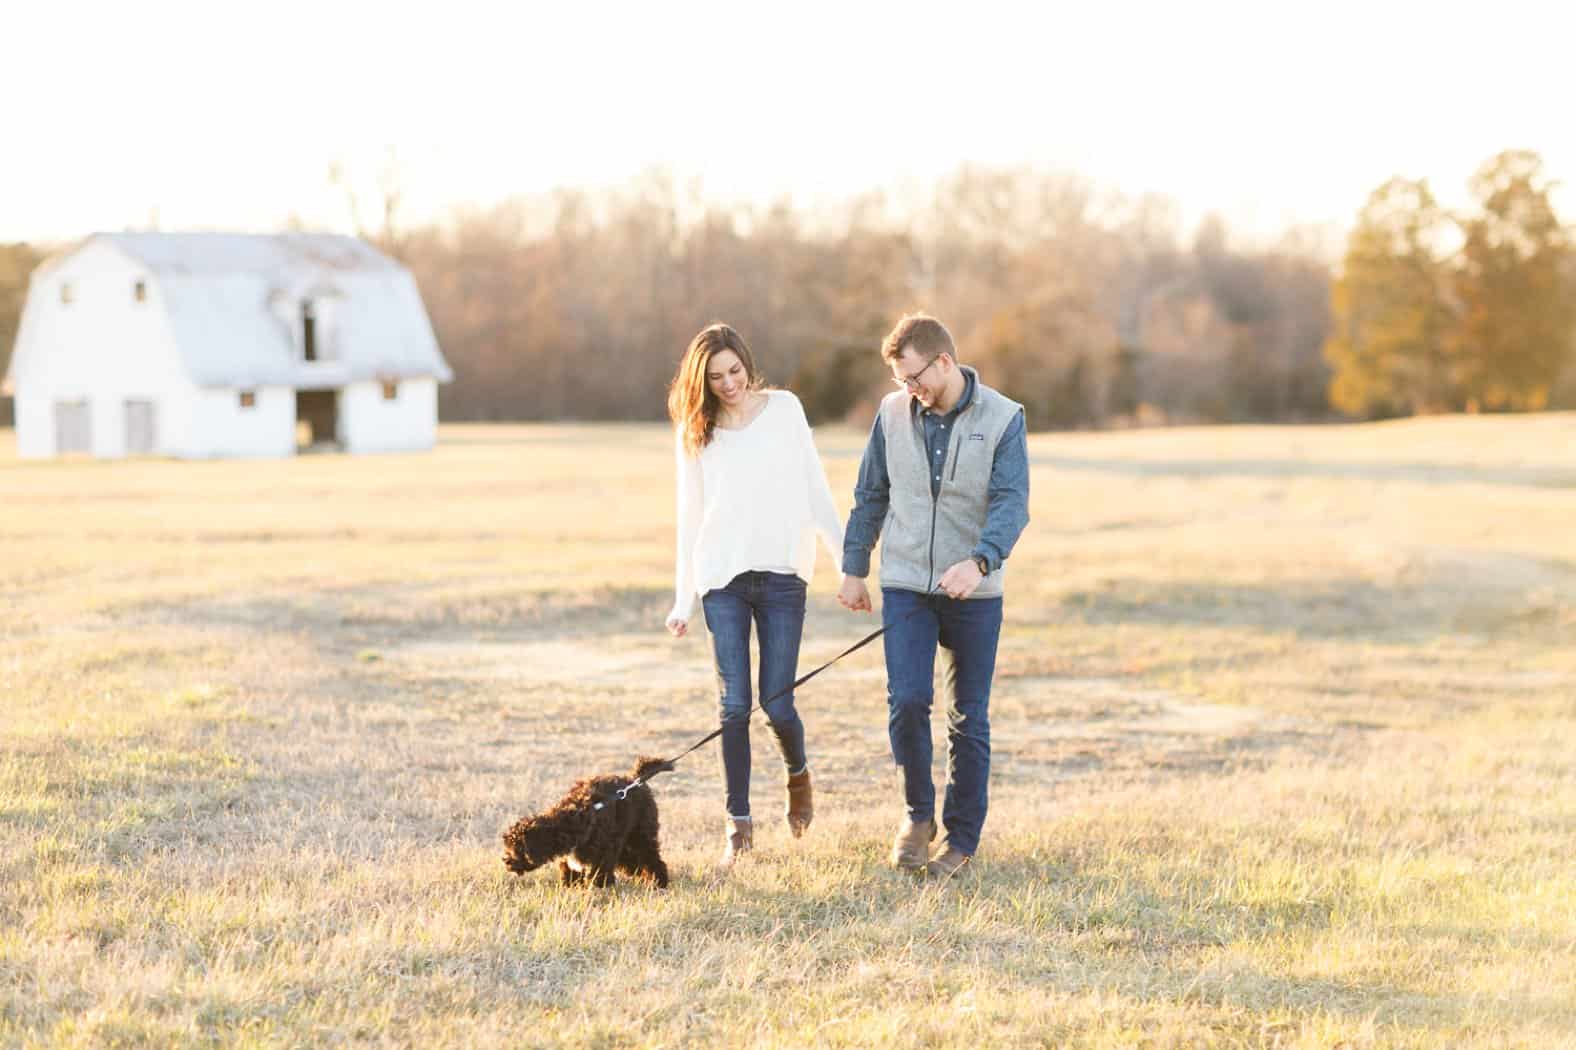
x=920, y=333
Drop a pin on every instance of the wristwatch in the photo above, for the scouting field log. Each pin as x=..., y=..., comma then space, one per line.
x=984, y=566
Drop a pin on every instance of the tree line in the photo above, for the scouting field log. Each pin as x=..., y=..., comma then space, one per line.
x=1089, y=307
x=1440, y=311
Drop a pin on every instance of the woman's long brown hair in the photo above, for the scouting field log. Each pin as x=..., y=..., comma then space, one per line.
x=691, y=404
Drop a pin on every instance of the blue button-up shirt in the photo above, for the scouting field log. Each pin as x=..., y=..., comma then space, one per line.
x=1007, y=511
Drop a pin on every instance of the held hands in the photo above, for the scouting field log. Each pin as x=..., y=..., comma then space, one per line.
x=960, y=580
x=677, y=627
x=853, y=595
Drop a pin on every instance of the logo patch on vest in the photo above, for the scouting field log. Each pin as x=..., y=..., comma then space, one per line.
x=976, y=437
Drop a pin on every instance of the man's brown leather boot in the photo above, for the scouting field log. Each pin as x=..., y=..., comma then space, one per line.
x=800, y=807
x=947, y=864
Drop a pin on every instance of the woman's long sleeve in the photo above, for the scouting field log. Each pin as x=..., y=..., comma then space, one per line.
x=823, y=511
x=689, y=515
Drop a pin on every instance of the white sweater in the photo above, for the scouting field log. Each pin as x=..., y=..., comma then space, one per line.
x=753, y=500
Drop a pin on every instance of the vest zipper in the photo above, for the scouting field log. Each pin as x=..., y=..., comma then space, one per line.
x=935, y=500
x=957, y=450
x=930, y=565
x=930, y=578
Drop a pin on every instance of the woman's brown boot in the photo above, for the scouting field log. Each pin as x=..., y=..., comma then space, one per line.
x=800, y=807
x=740, y=840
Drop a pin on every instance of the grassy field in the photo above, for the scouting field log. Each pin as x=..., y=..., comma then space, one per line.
x=1283, y=756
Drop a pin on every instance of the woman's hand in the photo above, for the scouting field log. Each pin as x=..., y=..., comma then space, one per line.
x=854, y=595
x=677, y=627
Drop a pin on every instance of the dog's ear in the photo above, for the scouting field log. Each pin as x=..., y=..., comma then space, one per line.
x=517, y=846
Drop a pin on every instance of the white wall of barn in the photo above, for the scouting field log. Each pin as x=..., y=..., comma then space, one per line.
x=103, y=347
x=222, y=427
x=103, y=363
x=408, y=422
x=35, y=428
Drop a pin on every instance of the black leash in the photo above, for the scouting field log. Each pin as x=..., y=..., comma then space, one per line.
x=715, y=733
x=624, y=791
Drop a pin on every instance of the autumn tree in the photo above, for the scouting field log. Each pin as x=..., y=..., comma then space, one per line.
x=16, y=264
x=1393, y=316
x=1518, y=317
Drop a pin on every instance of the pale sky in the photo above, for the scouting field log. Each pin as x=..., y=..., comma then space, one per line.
x=219, y=116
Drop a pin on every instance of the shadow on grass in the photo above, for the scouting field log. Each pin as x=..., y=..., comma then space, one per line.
x=1147, y=753
x=1349, y=608
x=370, y=613
x=1415, y=472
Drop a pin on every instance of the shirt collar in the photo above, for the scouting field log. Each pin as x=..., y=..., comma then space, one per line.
x=917, y=410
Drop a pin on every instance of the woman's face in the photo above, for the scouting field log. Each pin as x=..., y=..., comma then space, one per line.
x=727, y=378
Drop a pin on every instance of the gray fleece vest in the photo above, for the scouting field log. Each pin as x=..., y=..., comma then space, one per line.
x=922, y=536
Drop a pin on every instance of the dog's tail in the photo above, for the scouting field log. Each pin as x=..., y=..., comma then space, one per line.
x=647, y=767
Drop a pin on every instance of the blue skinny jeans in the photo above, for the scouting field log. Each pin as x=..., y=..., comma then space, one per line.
x=775, y=603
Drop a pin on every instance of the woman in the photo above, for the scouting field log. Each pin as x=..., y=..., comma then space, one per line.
x=752, y=495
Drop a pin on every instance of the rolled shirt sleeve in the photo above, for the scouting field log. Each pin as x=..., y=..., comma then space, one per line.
x=872, y=495
x=1007, y=509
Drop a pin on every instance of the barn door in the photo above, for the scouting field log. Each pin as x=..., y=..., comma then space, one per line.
x=140, y=428
x=319, y=411
x=73, y=427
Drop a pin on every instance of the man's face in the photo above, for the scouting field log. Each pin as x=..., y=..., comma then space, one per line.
x=924, y=379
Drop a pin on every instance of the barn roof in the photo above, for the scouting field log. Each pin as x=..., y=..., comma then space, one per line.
x=188, y=254
x=233, y=306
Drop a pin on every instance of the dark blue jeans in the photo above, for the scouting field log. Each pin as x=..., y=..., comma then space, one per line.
x=775, y=602
x=967, y=632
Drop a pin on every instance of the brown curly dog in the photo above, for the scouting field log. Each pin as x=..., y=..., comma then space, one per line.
x=592, y=831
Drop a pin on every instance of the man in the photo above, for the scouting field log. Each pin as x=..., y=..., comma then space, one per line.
x=945, y=482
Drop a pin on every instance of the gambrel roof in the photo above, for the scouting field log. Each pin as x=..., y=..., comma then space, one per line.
x=233, y=303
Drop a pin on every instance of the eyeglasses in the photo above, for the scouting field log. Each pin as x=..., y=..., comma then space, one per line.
x=912, y=382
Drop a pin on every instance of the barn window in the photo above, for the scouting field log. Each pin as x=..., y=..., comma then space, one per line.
x=248, y=399
x=308, y=331
x=390, y=390
x=139, y=291
x=66, y=295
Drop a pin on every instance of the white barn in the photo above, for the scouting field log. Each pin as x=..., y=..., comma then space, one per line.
x=203, y=345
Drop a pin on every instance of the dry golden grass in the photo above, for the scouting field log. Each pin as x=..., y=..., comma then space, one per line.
x=1282, y=734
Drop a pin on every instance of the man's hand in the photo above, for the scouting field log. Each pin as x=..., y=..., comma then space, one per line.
x=960, y=580
x=677, y=627
x=854, y=595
